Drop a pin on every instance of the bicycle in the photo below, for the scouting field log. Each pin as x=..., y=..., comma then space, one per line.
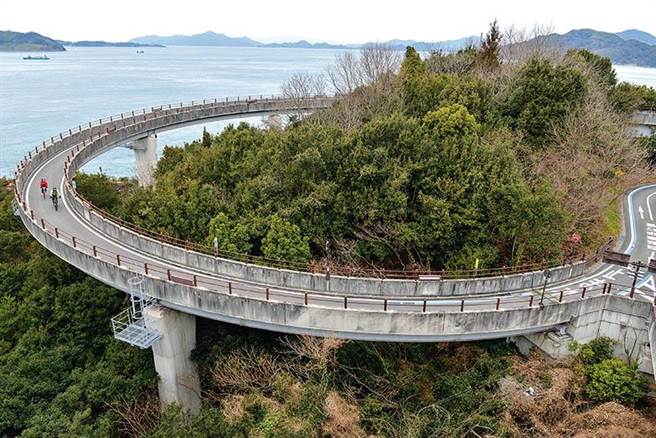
x=55, y=200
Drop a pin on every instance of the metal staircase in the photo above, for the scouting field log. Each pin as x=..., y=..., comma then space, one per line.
x=129, y=325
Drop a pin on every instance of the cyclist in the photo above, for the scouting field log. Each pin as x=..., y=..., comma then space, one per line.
x=55, y=197
x=43, y=184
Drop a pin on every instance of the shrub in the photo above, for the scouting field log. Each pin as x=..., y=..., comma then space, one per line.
x=595, y=351
x=614, y=380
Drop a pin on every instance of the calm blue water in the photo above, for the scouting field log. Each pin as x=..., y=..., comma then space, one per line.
x=40, y=99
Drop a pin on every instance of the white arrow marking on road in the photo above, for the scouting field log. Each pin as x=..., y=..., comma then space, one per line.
x=642, y=212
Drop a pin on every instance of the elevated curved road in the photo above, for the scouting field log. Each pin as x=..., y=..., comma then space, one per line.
x=214, y=288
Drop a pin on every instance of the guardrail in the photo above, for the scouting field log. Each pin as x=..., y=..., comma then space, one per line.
x=99, y=131
x=238, y=289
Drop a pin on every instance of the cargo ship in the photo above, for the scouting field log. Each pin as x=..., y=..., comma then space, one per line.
x=36, y=58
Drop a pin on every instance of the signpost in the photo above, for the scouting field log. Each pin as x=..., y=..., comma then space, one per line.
x=547, y=276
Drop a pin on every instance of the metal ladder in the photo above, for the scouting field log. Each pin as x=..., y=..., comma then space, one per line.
x=129, y=325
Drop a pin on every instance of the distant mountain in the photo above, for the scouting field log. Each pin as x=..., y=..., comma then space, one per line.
x=201, y=39
x=447, y=46
x=302, y=44
x=638, y=35
x=104, y=44
x=27, y=42
x=619, y=50
x=222, y=40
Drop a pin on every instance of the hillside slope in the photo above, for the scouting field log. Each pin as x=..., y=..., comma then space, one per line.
x=27, y=42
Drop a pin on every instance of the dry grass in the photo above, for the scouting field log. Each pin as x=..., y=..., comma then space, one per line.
x=315, y=353
x=139, y=417
x=245, y=370
x=555, y=409
x=343, y=418
x=233, y=407
x=607, y=420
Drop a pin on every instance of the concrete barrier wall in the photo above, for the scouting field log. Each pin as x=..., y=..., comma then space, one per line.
x=324, y=321
x=122, y=130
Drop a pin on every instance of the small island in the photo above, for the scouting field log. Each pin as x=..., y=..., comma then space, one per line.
x=34, y=42
x=28, y=42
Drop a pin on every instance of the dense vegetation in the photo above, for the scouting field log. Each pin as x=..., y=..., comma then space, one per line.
x=454, y=161
x=61, y=372
x=454, y=158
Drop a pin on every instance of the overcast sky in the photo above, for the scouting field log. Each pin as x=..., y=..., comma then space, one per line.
x=349, y=21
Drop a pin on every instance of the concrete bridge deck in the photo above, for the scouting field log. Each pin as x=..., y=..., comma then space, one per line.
x=584, y=300
x=191, y=284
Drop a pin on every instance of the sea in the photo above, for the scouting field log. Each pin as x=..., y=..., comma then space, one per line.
x=39, y=99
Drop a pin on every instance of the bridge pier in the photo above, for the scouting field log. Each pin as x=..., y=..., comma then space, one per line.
x=145, y=155
x=178, y=376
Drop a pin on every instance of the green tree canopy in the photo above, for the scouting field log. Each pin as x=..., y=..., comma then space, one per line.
x=540, y=98
x=283, y=241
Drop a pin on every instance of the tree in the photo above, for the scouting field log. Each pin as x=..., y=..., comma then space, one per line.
x=627, y=97
x=206, y=140
x=412, y=66
x=231, y=237
x=488, y=54
x=284, y=241
x=98, y=189
x=541, y=97
x=601, y=66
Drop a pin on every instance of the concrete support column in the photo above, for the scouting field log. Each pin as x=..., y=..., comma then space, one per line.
x=178, y=376
x=145, y=155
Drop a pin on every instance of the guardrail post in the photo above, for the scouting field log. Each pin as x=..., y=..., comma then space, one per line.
x=168, y=274
x=610, y=285
x=530, y=301
x=195, y=281
x=584, y=289
x=230, y=287
x=267, y=293
x=305, y=298
x=345, y=304
x=462, y=305
x=498, y=303
x=32, y=214
x=95, y=251
x=424, y=307
x=57, y=232
x=43, y=224
x=560, y=299
x=118, y=259
x=74, y=241
x=145, y=267
x=385, y=304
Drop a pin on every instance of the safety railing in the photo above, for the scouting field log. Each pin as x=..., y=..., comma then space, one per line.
x=134, y=118
x=424, y=304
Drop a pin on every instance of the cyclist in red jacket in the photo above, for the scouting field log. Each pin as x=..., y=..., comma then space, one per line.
x=43, y=184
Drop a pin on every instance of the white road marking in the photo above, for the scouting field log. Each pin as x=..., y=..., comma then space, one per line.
x=651, y=216
x=586, y=282
x=642, y=212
